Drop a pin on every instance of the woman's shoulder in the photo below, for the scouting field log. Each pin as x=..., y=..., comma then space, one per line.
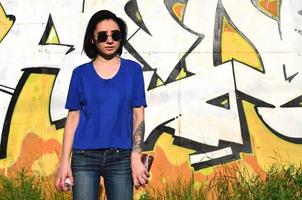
x=131, y=64
x=82, y=68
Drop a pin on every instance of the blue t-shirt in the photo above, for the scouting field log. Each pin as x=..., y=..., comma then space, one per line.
x=105, y=105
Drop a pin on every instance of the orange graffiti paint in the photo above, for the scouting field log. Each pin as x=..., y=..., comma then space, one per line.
x=178, y=9
x=270, y=7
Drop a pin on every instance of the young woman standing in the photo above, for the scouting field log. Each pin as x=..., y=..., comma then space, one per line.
x=105, y=126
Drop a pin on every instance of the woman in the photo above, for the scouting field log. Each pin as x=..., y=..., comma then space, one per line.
x=105, y=124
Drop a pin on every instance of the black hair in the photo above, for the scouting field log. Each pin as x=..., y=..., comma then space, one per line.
x=90, y=48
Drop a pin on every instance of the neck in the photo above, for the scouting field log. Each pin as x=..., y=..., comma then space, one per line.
x=106, y=59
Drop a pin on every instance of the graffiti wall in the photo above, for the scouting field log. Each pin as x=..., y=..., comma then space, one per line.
x=223, y=80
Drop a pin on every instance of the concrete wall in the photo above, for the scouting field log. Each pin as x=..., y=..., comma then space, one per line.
x=223, y=80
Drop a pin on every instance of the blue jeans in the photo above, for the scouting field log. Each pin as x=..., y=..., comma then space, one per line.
x=112, y=164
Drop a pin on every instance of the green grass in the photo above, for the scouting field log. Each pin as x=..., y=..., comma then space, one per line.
x=25, y=187
x=179, y=190
x=280, y=182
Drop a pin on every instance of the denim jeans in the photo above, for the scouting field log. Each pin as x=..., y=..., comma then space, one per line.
x=112, y=164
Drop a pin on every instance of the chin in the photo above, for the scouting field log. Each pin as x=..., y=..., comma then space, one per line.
x=108, y=55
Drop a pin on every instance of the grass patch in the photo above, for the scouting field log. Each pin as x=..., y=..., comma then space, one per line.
x=280, y=182
x=25, y=187
x=179, y=190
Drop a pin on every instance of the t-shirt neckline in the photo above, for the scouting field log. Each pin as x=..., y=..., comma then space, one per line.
x=107, y=79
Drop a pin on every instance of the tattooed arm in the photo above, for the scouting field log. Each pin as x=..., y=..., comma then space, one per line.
x=139, y=173
x=138, y=137
x=138, y=129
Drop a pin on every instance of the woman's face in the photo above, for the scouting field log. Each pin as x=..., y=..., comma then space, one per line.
x=107, y=37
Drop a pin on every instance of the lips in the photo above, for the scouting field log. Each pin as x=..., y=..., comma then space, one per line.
x=109, y=48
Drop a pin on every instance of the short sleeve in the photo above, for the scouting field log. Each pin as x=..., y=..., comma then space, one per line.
x=139, y=96
x=73, y=96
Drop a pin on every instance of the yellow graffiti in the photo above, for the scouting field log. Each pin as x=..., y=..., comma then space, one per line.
x=53, y=37
x=224, y=102
x=31, y=134
x=6, y=23
x=30, y=120
x=42, y=165
x=159, y=82
x=177, y=154
x=138, y=16
x=182, y=74
x=234, y=46
x=267, y=147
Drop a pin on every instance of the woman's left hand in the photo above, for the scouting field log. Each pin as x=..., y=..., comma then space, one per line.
x=139, y=173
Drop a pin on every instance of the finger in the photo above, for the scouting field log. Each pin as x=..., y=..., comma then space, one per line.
x=62, y=184
x=142, y=181
x=136, y=184
x=59, y=189
x=71, y=179
x=147, y=173
x=58, y=184
x=145, y=177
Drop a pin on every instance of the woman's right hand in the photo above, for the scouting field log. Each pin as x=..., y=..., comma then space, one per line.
x=64, y=171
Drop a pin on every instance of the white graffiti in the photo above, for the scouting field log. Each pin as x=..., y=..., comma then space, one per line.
x=185, y=100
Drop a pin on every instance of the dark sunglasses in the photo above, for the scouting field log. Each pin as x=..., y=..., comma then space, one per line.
x=102, y=36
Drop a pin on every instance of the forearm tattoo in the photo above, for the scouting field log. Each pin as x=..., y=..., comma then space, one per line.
x=138, y=137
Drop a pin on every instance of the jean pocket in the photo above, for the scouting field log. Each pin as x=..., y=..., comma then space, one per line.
x=77, y=157
x=78, y=152
x=124, y=153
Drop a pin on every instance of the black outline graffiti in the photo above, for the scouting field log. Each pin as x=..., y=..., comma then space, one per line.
x=217, y=59
x=288, y=78
x=47, y=30
x=217, y=101
x=60, y=123
x=83, y=6
x=169, y=5
x=296, y=102
x=11, y=18
x=131, y=9
x=286, y=138
x=203, y=148
x=45, y=35
x=6, y=91
x=169, y=8
x=298, y=31
x=13, y=101
x=182, y=64
x=278, y=18
x=133, y=34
